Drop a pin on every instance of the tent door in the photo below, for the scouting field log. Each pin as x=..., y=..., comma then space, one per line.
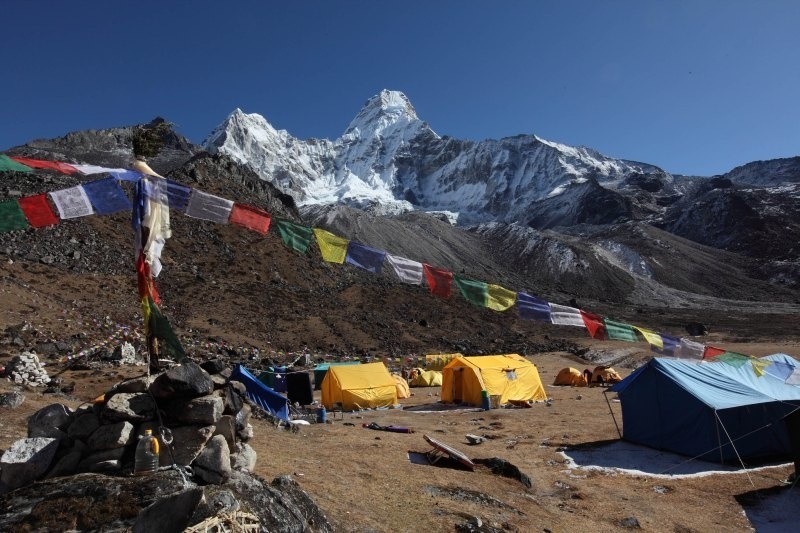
x=458, y=384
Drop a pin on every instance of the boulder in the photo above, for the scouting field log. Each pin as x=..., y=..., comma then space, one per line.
x=243, y=457
x=219, y=381
x=11, y=400
x=243, y=417
x=214, y=366
x=187, y=443
x=65, y=466
x=140, y=384
x=111, y=436
x=25, y=461
x=233, y=400
x=185, y=381
x=89, y=464
x=50, y=421
x=226, y=426
x=169, y=514
x=239, y=387
x=83, y=426
x=246, y=433
x=205, y=410
x=214, y=504
x=213, y=465
x=135, y=407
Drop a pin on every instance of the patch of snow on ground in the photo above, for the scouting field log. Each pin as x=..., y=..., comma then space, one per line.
x=623, y=257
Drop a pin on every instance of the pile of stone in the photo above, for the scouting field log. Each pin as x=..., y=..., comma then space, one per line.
x=26, y=369
x=198, y=413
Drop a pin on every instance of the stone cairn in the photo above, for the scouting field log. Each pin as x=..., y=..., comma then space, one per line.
x=202, y=410
x=26, y=369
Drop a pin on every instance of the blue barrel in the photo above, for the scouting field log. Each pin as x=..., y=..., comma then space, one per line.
x=322, y=415
x=486, y=403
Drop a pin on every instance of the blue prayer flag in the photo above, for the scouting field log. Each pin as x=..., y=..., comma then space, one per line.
x=670, y=345
x=780, y=370
x=106, y=196
x=365, y=257
x=178, y=195
x=532, y=308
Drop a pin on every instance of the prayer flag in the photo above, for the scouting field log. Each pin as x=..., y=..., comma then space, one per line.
x=500, y=298
x=107, y=196
x=295, y=236
x=72, y=202
x=208, y=207
x=178, y=195
x=250, y=217
x=151, y=221
x=64, y=168
x=690, y=350
x=439, y=281
x=407, y=271
x=365, y=257
x=126, y=175
x=11, y=216
x=532, y=308
x=332, y=247
x=653, y=339
x=8, y=164
x=732, y=358
x=594, y=323
x=711, y=351
x=158, y=326
x=620, y=331
x=94, y=169
x=670, y=345
x=562, y=315
x=780, y=370
x=475, y=292
x=759, y=366
x=794, y=377
x=38, y=211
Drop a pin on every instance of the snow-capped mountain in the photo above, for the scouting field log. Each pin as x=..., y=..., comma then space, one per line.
x=387, y=155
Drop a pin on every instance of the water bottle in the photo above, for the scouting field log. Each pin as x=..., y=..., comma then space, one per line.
x=146, y=460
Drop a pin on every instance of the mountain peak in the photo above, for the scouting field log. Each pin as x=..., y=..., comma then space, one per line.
x=386, y=107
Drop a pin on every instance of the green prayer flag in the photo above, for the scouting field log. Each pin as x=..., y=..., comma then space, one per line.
x=475, y=292
x=619, y=331
x=295, y=236
x=8, y=164
x=732, y=358
x=158, y=327
x=11, y=216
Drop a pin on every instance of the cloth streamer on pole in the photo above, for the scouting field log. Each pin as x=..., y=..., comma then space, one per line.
x=366, y=257
x=499, y=298
x=107, y=196
x=38, y=211
x=439, y=281
x=72, y=202
x=64, y=168
x=250, y=217
x=533, y=308
x=295, y=236
x=407, y=271
x=332, y=247
x=12, y=218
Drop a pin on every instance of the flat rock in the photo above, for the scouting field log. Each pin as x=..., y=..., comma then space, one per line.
x=205, y=410
x=185, y=381
x=111, y=436
x=135, y=407
x=140, y=384
x=25, y=461
x=213, y=465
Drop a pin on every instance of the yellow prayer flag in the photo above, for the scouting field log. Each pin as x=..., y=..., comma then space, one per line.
x=500, y=298
x=759, y=366
x=332, y=247
x=653, y=338
x=146, y=314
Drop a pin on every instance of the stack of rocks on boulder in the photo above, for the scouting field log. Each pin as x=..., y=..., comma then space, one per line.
x=204, y=412
x=26, y=369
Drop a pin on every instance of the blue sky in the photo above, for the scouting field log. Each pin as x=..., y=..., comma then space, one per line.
x=696, y=87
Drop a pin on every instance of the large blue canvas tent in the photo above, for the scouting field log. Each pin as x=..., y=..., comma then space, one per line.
x=260, y=394
x=709, y=410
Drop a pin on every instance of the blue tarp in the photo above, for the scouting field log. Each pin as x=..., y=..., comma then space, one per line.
x=261, y=395
x=107, y=196
x=365, y=257
x=532, y=308
x=696, y=409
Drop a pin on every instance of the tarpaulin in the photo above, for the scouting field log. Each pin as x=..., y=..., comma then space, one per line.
x=178, y=195
x=407, y=271
x=38, y=211
x=72, y=202
x=563, y=315
x=107, y=196
x=365, y=257
x=653, y=339
x=332, y=247
x=250, y=217
x=64, y=168
x=8, y=164
x=532, y=308
x=295, y=236
x=690, y=350
x=594, y=323
x=11, y=216
x=209, y=207
x=439, y=281
x=499, y=298
x=620, y=331
x=260, y=394
x=712, y=351
x=475, y=292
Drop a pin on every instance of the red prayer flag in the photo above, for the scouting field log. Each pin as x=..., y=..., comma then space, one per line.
x=439, y=281
x=64, y=168
x=38, y=211
x=250, y=217
x=595, y=325
x=711, y=351
x=144, y=280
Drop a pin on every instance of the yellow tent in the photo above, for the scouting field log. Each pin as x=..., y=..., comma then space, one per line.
x=426, y=378
x=358, y=387
x=402, y=387
x=571, y=377
x=509, y=376
x=437, y=361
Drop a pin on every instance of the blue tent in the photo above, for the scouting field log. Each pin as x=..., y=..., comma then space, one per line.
x=697, y=409
x=260, y=394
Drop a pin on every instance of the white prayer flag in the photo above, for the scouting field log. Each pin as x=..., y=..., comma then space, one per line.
x=209, y=207
x=407, y=270
x=794, y=377
x=156, y=218
x=566, y=316
x=94, y=169
x=690, y=350
x=72, y=202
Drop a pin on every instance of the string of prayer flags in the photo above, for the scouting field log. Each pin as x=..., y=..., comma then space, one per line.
x=407, y=271
x=669, y=345
x=594, y=323
x=72, y=202
x=11, y=216
x=178, y=195
x=250, y=217
x=366, y=257
x=562, y=315
x=107, y=196
x=209, y=207
x=619, y=331
x=332, y=247
x=532, y=308
x=652, y=338
x=499, y=298
x=780, y=370
x=710, y=352
x=475, y=292
x=64, y=168
x=691, y=350
x=9, y=165
x=38, y=211
x=759, y=366
x=439, y=281
x=295, y=236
